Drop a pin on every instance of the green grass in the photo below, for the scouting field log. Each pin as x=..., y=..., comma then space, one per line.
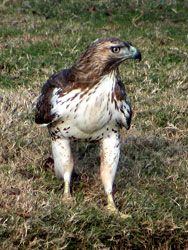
x=38, y=38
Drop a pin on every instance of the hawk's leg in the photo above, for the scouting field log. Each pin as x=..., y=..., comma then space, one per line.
x=110, y=151
x=63, y=163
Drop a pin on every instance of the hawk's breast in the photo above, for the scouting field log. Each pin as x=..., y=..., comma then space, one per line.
x=87, y=113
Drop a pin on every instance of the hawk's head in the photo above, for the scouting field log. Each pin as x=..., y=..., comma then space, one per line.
x=103, y=56
x=114, y=50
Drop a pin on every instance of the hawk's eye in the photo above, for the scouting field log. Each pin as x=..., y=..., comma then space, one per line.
x=115, y=49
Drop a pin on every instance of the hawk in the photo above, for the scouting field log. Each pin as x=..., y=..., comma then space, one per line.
x=88, y=102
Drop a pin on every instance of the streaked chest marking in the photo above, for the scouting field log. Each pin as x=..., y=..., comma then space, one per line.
x=87, y=114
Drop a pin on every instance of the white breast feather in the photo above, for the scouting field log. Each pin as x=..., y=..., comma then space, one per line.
x=88, y=113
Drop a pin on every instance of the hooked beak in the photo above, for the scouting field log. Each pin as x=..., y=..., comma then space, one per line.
x=135, y=53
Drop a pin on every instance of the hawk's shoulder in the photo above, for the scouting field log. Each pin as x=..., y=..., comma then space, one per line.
x=59, y=80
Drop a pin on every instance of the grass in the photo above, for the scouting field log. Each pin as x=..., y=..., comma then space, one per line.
x=38, y=38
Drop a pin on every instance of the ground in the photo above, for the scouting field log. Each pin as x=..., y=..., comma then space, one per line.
x=38, y=38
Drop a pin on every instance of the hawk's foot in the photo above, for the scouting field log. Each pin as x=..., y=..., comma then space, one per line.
x=111, y=208
x=67, y=198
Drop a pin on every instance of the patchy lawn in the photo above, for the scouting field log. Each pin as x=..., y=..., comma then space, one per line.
x=38, y=38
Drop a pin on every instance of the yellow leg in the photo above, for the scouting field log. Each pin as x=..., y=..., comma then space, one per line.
x=67, y=198
x=67, y=189
x=111, y=205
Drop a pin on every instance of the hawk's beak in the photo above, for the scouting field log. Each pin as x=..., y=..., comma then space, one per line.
x=135, y=53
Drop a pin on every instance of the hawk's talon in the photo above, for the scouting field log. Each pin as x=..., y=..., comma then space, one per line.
x=124, y=216
x=111, y=208
x=114, y=211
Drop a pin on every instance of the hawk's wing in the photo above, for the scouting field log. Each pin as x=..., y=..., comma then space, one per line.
x=43, y=113
x=125, y=111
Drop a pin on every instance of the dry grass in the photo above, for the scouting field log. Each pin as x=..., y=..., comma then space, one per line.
x=151, y=182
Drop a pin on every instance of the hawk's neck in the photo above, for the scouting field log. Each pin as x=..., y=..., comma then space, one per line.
x=90, y=75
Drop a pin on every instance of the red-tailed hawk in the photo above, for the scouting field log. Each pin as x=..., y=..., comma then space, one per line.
x=88, y=101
